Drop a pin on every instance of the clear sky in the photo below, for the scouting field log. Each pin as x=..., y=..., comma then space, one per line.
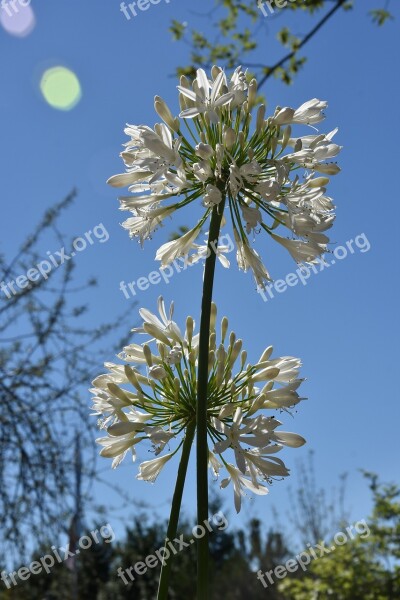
x=343, y=323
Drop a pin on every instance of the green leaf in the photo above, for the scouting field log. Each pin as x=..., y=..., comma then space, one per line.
x=380, y=16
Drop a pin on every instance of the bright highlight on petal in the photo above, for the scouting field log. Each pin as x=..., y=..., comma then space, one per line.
x=61, y=88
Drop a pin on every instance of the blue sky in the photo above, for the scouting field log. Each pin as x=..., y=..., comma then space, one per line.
x=342, y=324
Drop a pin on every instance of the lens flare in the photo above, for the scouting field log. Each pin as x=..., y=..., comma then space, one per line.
x=61, y=88
x=16, y=19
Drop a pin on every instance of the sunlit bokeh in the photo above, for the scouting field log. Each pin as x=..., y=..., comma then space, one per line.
x=16, y=19
x=61, y=88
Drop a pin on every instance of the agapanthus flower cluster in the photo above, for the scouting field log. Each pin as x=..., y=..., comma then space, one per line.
x=249, y=165
x=150, y=398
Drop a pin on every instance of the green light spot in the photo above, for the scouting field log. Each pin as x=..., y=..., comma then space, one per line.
x=61, y=88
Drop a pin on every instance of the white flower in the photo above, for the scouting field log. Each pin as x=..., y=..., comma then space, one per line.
x=163, y=328
x=308, y=113
x=156, y=408
x=159, y=438
x=145, y=222
x=168, y=252
x=206, y=97
x=213, y=196
x=157, y=372
x=266, y=468
x=202, y=252
x=238, y=86
x=268, y=189
x=240, y=177
x=306, y=252
x=150, y=469
x=174, y=356
x=164, y=112
x=240, y=483
x=205, y=151
x=161, y=151
x=233, y=438
x=247, y=258
x=284, y=397
x=117, y=447
x=287, y=369
x=252, y=172
x=252, y=217
x=293, y=440
x=202, y=170
x=213, y=463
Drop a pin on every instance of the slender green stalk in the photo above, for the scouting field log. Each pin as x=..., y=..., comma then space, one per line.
x=175, y=509
x=202, y=381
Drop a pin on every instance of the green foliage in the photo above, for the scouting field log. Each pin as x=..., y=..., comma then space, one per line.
x=350, y=573
x=380, y=16
x=365, y=568
x=237, y=26
x=182, y=229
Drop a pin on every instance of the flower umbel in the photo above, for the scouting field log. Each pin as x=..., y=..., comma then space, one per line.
x=155, y=406
x=270, y=179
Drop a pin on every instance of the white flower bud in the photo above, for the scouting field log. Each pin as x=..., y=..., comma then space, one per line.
x=213, y=339
x=177, y=387
x=328, y=169
x=318, y=182
x=162, y=350
x=193, y=356
x=157, y=372
x=232, y=338
x=164, y=112
x=230, y=137
x=189, y=329
x=211, y=360
x=252, y=94
x=215, y=71
x=235, y=352
x=266, y=354
x=260, y=123
x=131, y=375
x=204, y=150
x=118, y=393
x=147, y=355
x=224, y=328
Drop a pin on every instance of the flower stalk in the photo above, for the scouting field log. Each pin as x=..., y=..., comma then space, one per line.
x=175, y=384
x=175, y=509
x=202, y=400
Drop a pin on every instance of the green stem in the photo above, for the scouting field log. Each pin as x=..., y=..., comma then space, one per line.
x=175, y=509
x=202, y=384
